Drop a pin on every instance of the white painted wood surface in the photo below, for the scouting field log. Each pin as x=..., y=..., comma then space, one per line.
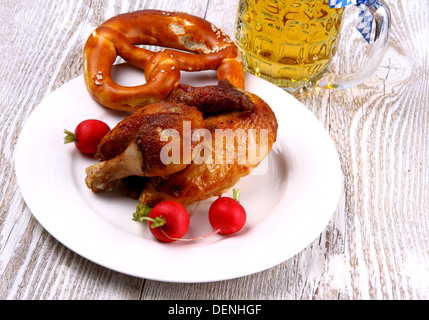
x=377, y=243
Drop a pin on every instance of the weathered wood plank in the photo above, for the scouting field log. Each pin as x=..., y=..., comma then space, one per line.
x=375, y=246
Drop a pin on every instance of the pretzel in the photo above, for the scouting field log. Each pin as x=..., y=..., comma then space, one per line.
x=202, y=47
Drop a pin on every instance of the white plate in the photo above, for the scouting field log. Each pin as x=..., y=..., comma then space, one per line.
x=289, y=199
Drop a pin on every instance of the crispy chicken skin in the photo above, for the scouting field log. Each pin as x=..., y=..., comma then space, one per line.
x=133, y=147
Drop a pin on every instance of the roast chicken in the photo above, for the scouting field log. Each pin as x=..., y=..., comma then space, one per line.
x=236, y=131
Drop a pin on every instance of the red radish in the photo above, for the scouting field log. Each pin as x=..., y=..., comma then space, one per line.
x=168, y=220
x=87, y=135
x=227, y=215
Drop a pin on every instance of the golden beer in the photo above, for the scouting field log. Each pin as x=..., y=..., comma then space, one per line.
x=288, y=42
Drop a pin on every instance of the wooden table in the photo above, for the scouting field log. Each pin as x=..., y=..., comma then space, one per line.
x=375, y=247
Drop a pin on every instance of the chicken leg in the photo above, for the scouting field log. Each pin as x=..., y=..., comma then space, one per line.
x=134, y=145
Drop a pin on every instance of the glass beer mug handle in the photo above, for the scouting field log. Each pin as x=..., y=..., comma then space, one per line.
x=381, y=18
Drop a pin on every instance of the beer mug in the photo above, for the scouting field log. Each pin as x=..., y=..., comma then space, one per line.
x=292, y=43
